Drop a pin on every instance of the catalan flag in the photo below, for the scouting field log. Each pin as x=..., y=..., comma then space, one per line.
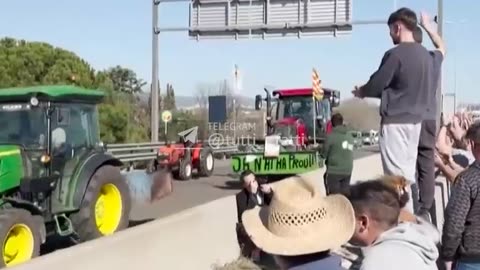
x=317, y=85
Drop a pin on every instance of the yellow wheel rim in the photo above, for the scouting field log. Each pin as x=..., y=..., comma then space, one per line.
x=108, y=209
x=18, y=245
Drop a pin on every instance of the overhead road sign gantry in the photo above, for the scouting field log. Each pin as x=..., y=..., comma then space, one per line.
x=237, y=19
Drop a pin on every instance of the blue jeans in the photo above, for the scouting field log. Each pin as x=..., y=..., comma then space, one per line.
x=467, y=266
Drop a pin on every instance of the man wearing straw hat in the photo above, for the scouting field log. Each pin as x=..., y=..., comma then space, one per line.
x=300, y=226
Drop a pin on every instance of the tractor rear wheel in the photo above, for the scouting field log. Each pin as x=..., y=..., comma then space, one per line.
x=20, y=235
x=184, y=171
x=105, y=208
x=206, y=162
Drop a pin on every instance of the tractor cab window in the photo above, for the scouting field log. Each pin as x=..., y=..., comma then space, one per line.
x=74, y=134
x=300, y=107
x=75, y=125
x=324, y=110
x=24, y=125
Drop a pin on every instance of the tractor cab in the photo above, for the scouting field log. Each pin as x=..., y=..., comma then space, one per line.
x=55, y=175
x=50, y=131
x=296, y=112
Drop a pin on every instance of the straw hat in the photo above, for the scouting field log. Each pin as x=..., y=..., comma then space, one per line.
x=300, y=220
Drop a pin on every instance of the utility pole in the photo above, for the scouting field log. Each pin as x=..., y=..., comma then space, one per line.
x=440, y=95
x=155, y=84
x=235, y=91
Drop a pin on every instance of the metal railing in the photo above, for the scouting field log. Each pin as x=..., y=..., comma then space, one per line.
x=131, y=152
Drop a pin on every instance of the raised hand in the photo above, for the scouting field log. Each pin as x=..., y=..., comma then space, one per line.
x=357, y=92
x=265, y=188
x=425, y=20
x=445, y=147
x=456, y=128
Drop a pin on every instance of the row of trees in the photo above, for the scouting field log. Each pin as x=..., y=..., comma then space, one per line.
x=123, y=116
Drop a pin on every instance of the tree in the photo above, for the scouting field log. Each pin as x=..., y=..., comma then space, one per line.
x=25, y=63
x=125, y=80
x=169, y=98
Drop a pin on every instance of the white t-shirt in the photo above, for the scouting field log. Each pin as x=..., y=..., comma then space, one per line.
x=59, y=137
x=459, y=153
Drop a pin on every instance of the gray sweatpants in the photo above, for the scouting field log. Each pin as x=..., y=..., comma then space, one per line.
x=398, y=149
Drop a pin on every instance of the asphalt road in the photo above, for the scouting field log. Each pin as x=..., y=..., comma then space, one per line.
x=187, y=194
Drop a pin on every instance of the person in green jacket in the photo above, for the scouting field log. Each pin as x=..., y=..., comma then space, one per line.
x=338, y=154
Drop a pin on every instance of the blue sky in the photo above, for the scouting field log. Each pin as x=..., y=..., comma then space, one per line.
x=111, y=32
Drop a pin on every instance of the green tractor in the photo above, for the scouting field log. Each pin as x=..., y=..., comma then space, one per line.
x=56, y=177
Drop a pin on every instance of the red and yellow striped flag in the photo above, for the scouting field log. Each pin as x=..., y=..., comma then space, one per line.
x=317, y=85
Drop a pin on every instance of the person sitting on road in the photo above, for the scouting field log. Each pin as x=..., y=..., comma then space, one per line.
x=252, y=194
x=301, y=226
x=338, y=153
x=390, y=245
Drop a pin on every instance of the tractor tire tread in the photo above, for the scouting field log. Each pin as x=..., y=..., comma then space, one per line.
x=203, y=170
x=182, y=172
x=84, y=220
x=12, y=216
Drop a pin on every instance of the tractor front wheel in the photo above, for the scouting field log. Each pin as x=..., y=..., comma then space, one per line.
x=184, y=171
x=20, y=236
x=206, y=162
x=105, y=207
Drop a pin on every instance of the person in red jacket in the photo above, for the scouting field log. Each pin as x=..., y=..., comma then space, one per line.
x=329, y=127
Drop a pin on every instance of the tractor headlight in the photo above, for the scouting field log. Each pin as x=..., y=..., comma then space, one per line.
x=34, y=101
x=45, y=159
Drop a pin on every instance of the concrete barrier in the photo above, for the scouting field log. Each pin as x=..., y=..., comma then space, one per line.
x=193, y=239
x=196, y=238
x=363, y=169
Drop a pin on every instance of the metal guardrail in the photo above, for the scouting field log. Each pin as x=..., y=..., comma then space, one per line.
x=131, y=152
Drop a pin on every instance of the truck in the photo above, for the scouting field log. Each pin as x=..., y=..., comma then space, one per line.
x=293, y=122
x=56, y=176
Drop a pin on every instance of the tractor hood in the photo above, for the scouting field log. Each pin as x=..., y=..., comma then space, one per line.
x=11, y=167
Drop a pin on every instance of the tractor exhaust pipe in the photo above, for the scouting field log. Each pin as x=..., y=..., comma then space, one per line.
x=268, y=100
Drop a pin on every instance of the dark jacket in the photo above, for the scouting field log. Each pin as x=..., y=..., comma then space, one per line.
x=245, y=201
x=333, y=262
x=461, y=229
x=403, y=83
x=338, y=151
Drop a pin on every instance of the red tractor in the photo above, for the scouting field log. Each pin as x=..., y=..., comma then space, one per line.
x=295, y=115
x=184, y=157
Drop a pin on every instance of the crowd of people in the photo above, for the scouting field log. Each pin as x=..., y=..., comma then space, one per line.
x=302, y=229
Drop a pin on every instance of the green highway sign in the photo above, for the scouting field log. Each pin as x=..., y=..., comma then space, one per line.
x=285, y=163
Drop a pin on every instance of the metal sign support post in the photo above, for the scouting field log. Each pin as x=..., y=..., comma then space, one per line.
x=235, y=91
x=439, y=95
x=155, y=84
